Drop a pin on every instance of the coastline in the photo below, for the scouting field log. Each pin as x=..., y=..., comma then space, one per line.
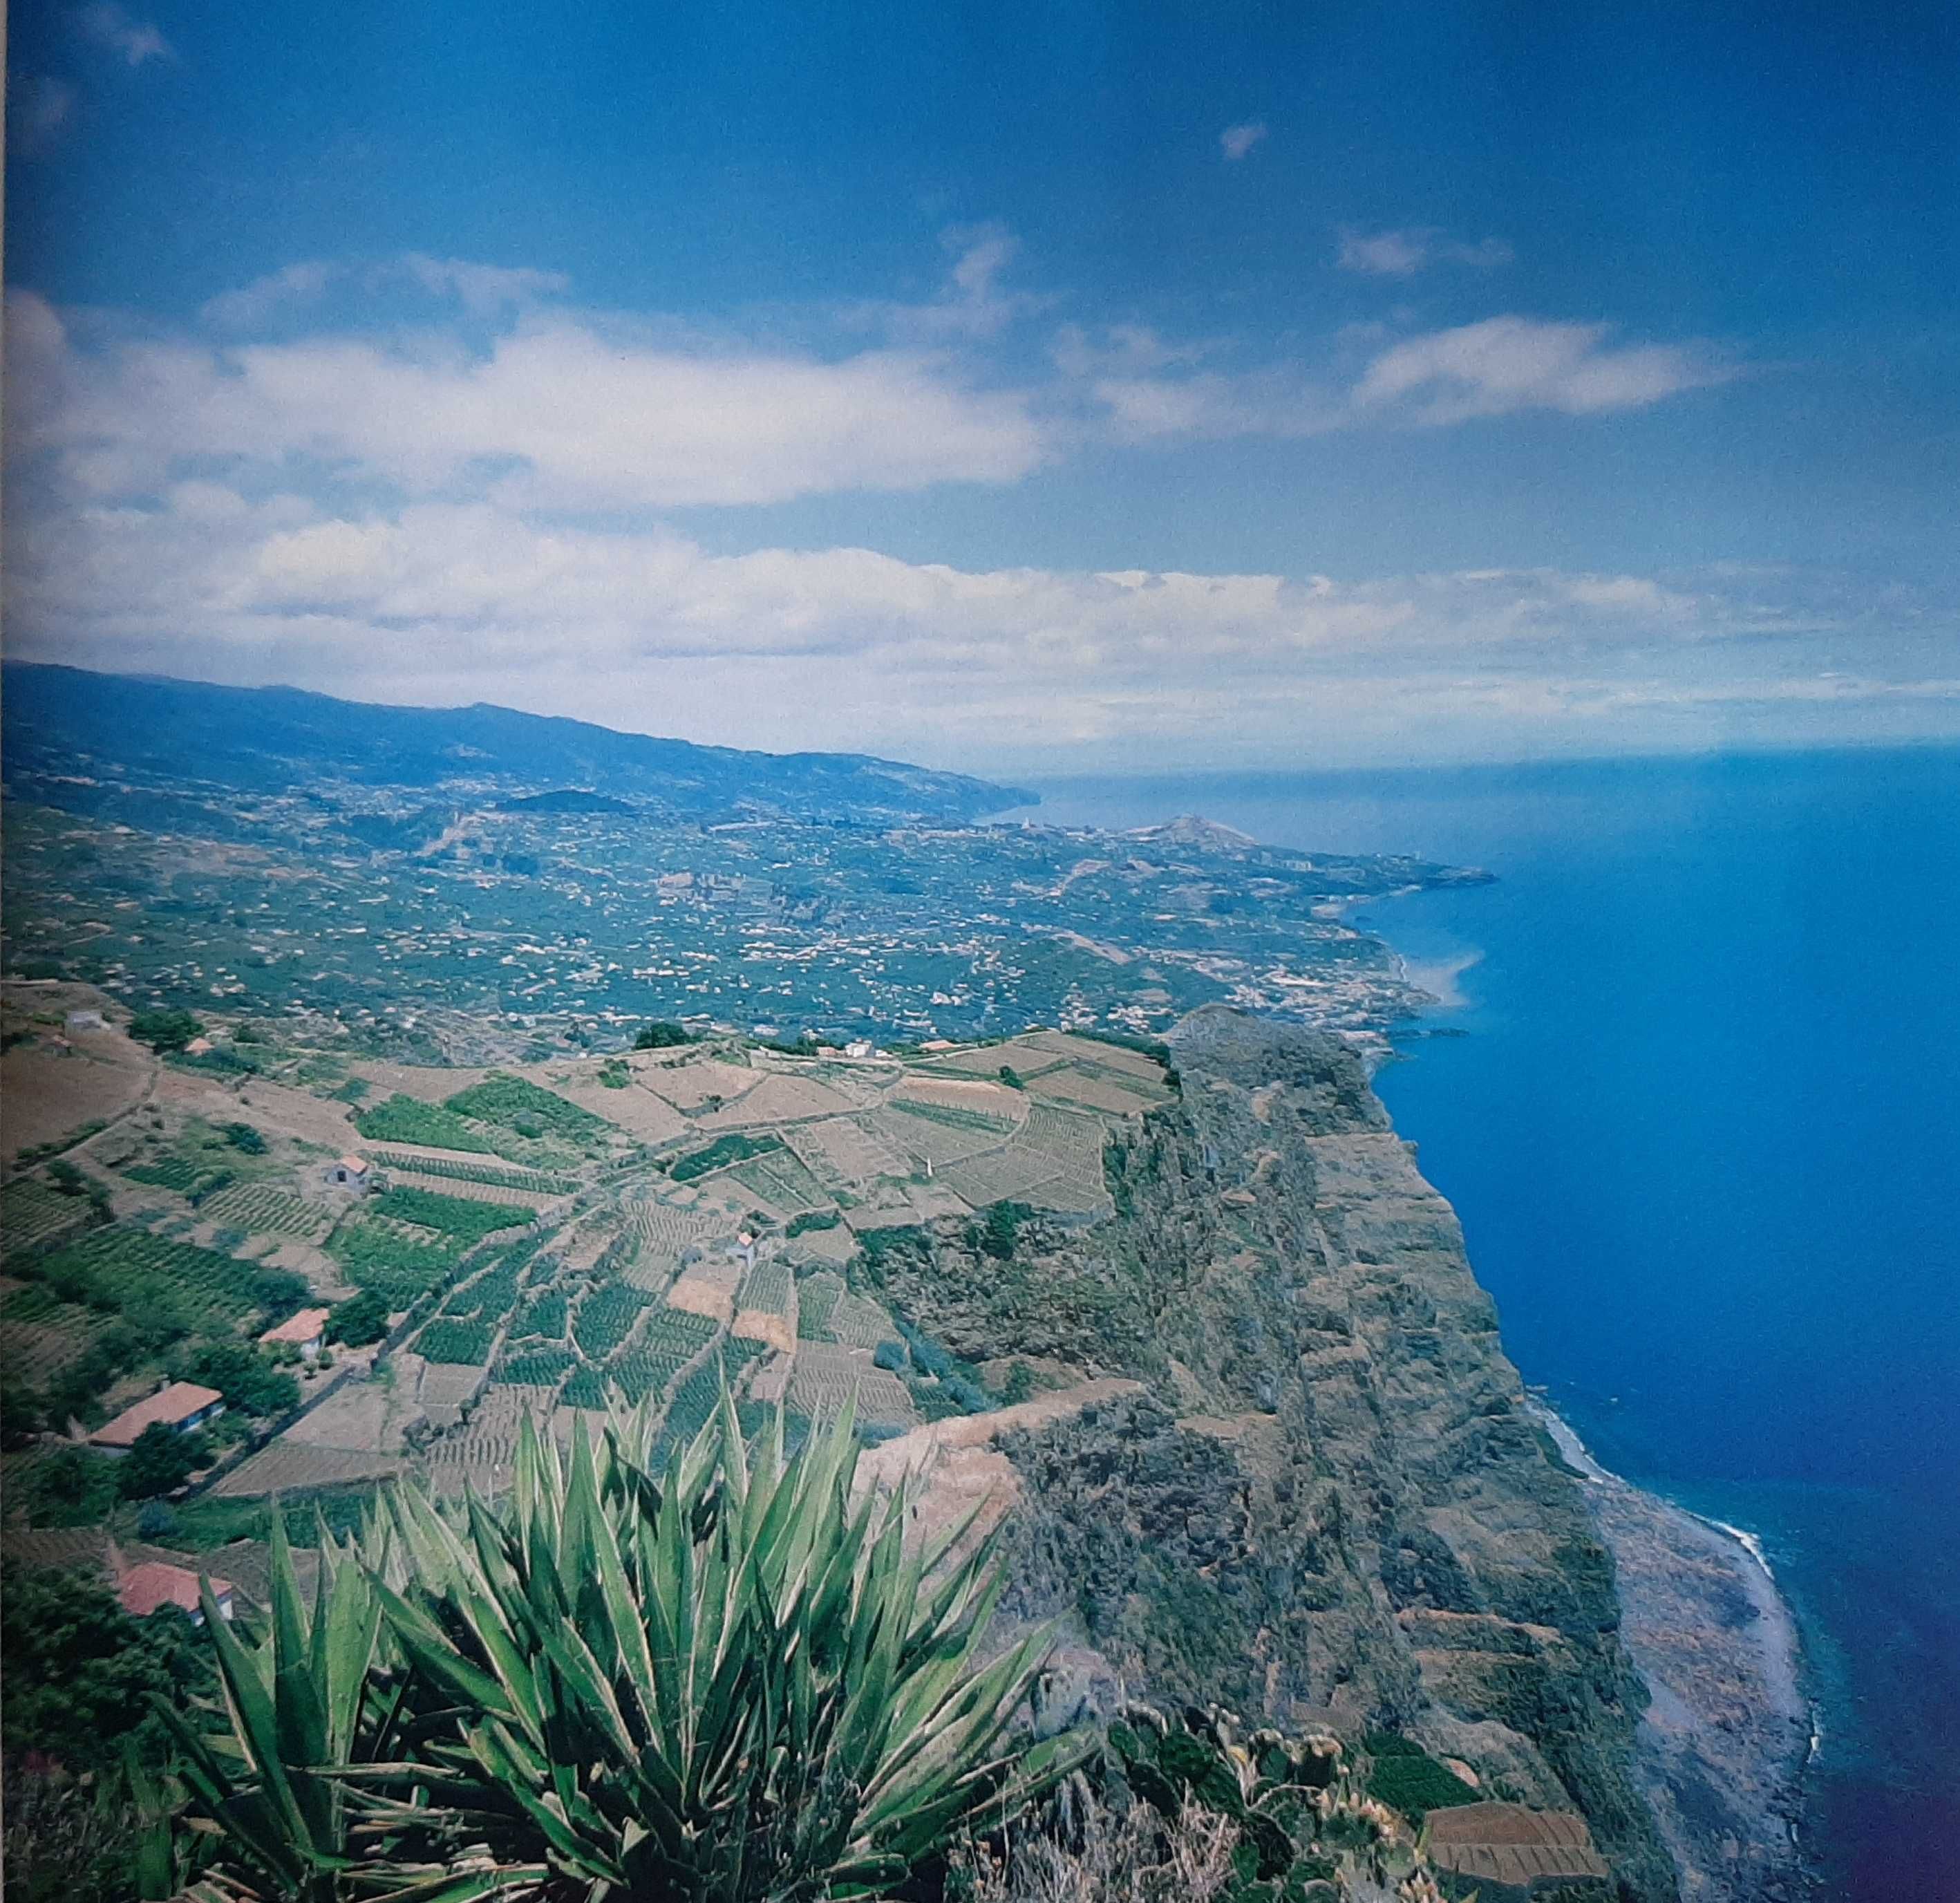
x=1731, y=1730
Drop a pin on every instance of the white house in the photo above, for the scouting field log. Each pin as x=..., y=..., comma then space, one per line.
x=355, y=1173
x=306, y=1331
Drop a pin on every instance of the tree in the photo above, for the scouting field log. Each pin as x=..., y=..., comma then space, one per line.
x=728, y=1682
x=161, y=1459
x=245, y=1139
x=23, y=1414
x=358, y=1320
x=661, y=1034
x=81, y=1674
x=164, y=1029
x=248, y=1378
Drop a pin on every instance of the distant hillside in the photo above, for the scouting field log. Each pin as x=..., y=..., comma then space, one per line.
x=269, y=739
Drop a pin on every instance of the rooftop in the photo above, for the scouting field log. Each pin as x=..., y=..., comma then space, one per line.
x=305, y=1326
x=145, y=1588
x=172, y=1405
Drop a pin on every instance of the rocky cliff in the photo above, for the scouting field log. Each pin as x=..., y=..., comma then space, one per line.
x=1324, y=1501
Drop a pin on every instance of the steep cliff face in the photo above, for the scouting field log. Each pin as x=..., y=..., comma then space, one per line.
x=1326, y=1503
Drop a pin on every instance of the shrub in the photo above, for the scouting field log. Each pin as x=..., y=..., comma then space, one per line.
x=165, y=1030
x=463, y=1216
x=245, y=1139
x=360, y=1319
x=661, y=1034
x=245, y=1375
x=889, y=1355
x=732, y=1684
x=161, y=1459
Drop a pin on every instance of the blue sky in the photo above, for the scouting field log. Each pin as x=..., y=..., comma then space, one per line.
x=1005, y=387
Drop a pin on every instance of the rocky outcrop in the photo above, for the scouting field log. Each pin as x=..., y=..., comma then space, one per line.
x=1327, y=1502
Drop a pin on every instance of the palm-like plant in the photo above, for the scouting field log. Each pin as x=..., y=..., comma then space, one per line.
x=734, y=1681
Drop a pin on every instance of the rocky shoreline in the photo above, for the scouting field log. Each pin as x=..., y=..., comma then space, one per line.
x=1721, y=1749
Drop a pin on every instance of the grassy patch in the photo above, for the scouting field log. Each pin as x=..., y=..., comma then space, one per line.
x=734, y=1147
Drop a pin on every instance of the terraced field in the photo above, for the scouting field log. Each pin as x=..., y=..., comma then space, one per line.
x=260, y=1210
x=32, y=1215
x=477, y=1176
x=782, y=1181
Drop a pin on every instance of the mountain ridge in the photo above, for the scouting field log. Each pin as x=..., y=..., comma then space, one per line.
x=268, y=738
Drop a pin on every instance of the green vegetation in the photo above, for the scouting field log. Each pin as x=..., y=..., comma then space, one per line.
x=192, y=1180
x=734, y=1684
x=537, y=1367
x=955, y=1116
x=1011, y=1077
x=1405, y=1777
x=164, y=1030
x=543, y=1315
x=531, y=1111
x=83, y=1679
x=447, y=1339
x=397, y=1270
x=360, y=1319
x=67, y=1486
x=606, y=1316
x=403, y=1119
x=245, y=1139
x=995, y=1232
x=534, y=1183
x=736, y=1146
x=813, y=1219
x=161, y=1460
x=462, y=1217
x=244, y=1374
x=660, y=1034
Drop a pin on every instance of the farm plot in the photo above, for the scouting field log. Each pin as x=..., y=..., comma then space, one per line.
x=402, y=1119
x=1021, y=1055
x=766, y=1286
x=289, y=1466
x=1096, y=1087
x=782, y=1182
x=32, y=1214
x=1054, y=1144
x=451, y=1340
x=179, y=1174
x=857, y=1322
x=542, y=1316
x=926, y=1132
x=460, y=1216
x=478, y=1176
x=780, y=1097
x=260, y=1210
x=734, y=1147
x=845, y=1149
x=1093, y=1053
x=129, y=1268
x=536, y=1366
x=39, y=1336
x=817, y=1302
x=529, y=1110
x=700, y=1394
x=399, y=1269
x=606, y=1317
x=826, y=1377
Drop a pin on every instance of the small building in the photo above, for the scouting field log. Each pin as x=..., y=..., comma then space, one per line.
x=150, y=1585
x=184, y=1405
x=306, y=1331
x=858, y=1047
x=197, y=1047
x=84, y=1021
x=355, y=1173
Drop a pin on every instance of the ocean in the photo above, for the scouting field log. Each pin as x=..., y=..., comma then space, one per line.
x=1700, y=1114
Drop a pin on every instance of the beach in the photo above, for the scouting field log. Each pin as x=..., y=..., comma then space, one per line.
x=1729, y=1730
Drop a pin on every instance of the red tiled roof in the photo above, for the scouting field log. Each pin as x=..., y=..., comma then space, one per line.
x=171, y=1406
x=307, y=1325
x=359, y=1163
x=144, y=1589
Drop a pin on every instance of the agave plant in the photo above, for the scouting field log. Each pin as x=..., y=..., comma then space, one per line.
x=736, y=1680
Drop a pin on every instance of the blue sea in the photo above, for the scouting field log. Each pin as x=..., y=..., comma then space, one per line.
x=1703, y=1129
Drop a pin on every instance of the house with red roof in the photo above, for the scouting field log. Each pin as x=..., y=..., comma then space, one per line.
x=184, y=1405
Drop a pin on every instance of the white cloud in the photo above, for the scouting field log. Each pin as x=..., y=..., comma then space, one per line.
x=1235, y=141
x=1402, y=253
x=254, y=305
x=132, y=41
x=443, y=600
x=483, y=289
x=1511, y=363
x=566, y=411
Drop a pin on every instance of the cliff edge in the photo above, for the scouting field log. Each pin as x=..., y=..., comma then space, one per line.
x=1324, y=1500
